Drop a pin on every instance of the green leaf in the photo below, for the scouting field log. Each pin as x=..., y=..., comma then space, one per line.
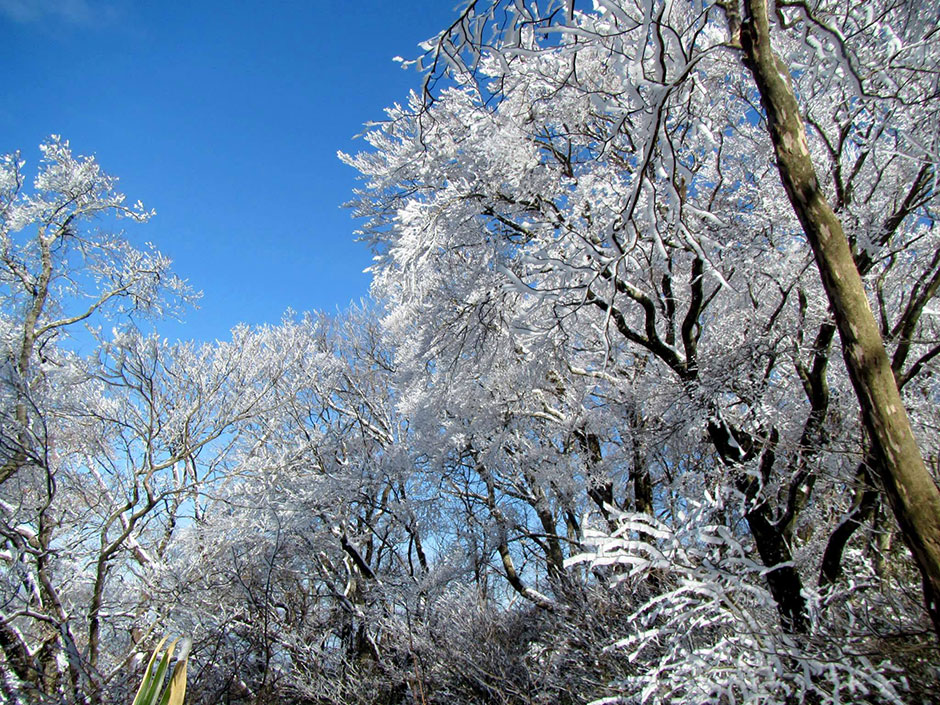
x=145, y=691
x=176, y=691
x=149, y=692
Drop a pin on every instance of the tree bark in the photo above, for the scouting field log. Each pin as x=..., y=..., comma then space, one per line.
x=911, y=491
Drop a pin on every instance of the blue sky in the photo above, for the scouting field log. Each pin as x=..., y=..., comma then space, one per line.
x=226, y=118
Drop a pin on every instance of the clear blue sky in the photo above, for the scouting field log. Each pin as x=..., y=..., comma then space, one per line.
x=226, y=118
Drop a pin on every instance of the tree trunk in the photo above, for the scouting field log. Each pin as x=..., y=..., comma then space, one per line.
x=913, y=495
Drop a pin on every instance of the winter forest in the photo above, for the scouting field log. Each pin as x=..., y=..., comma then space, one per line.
x=642, y=408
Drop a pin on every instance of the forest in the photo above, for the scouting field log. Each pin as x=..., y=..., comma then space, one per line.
x=642, y=408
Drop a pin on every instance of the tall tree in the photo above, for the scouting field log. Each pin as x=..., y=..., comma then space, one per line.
x=911, y=490
x=600, y=183
x=104, y=454
x=57, y=271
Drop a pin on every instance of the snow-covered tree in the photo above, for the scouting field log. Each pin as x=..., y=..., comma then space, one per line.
x=595, y=443
x=59, y=269
x=106, y=453
x=313, y=534
x=588, y=202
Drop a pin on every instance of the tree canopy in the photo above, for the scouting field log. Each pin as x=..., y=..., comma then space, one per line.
x=644, y=409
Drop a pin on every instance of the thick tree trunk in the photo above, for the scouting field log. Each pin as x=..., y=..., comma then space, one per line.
x=913, y=495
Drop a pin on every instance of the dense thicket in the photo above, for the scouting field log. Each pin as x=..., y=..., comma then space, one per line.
x=595, y=441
